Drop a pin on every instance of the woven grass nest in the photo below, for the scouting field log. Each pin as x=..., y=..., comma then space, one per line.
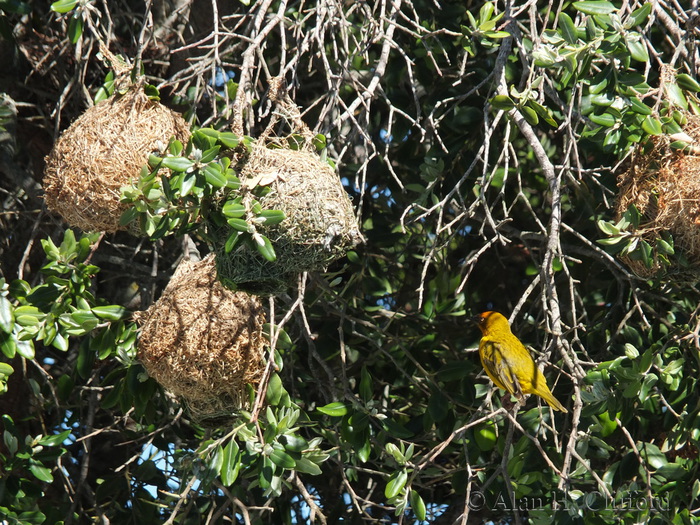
x=320, y=224
x=203, y=343
x=664, y=184
x=100, y=152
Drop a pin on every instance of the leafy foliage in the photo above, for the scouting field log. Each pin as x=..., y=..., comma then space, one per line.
x=200, y=185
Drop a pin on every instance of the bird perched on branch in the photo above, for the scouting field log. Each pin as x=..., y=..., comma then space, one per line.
x=508, y=363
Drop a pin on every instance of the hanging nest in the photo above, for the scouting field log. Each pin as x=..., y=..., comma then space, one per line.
x=664, y=185
x=100, y=152
x=320, y=224
x=204, y=343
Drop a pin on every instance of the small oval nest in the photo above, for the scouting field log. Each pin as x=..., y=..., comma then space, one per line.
x=100, y=152
x=664, y=184
x=319, y=227
x=203, y=343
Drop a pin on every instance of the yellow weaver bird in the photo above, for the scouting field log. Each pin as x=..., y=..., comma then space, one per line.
x=508, y=363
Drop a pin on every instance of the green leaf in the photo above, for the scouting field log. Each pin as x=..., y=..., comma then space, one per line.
x=631, y=351
x=602, y=99
x=60, y=342
x=275, y=390
x=336, y=409
x=6, y=370
x=40, y=472
x=607, y=228
x=129, y=215
x=209, y=155
x=151, y=92
x=395, y=429
x=647, y=384
x=239, y=225
x=271, y=217
x=63, y=6
x=7, y=317
x=654, y=457
x=155, y=161
x=394, y=451
x=680, y=117
x=232, y=181
x=652, y=126
x=366, y=392
x=485, y=437
x=75, y=28
x=604, y=119
x=600, y=81
x=567, y=28
x=280, y=458
x=231, y=465
x=50, y=249
x=188, y=183
x=543, y=112
x=396, y=483
x=502, y=102
x=530, y=115
x=25, y=349
x=674, y=367
x=54, y=440
x=687, y=82
x=232, y=241
x=664, y=247
x=485, y=13
x=266, y=473
x=294, y=443
x=264, y=247
x=177, y=163
x=85, y=319
x=68, y=244
x=111, y=312
x=595, y=7
x=228, y=139
x=637, y=49
x=306, y=466
x=675, y=94
x=214, y=175
x=208, y=133
x=233, y=209
x=175, y=147
x=639, y=107
x=11, y=442
x=418, y=505
x=65, y=387
x=638, y=16
x=8, y=345
x=319, y=141
x=647, y=254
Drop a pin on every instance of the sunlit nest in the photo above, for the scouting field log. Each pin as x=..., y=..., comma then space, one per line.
x=100, y=152
x=204, y=343
x=320, y=224
x=664, y=185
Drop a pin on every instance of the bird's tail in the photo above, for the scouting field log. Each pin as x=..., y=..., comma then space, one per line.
x=552, y=401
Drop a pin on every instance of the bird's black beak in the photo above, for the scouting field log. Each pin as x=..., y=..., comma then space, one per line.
x=475, y=318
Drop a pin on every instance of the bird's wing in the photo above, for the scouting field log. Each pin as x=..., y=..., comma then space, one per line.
x=499, y=365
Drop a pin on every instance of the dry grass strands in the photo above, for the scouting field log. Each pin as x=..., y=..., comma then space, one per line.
x=320, y=224
x=100, y=152
x=664, y=185
x=204, y=343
